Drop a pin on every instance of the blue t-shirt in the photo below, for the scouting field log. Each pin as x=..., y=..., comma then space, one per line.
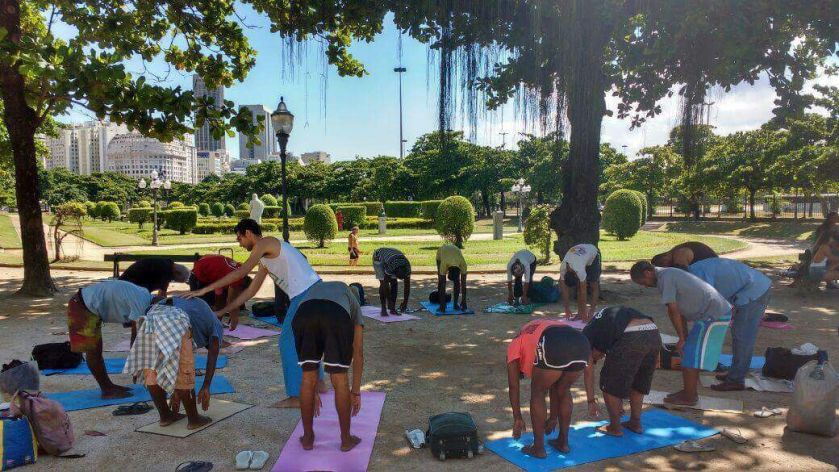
x=205, y=325
x=116, y=301
x=737, y=282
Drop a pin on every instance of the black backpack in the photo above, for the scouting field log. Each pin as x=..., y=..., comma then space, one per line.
x=361, y=300
x=434, y=297
x=55, y=356
x=453, y=435
x=781, y=363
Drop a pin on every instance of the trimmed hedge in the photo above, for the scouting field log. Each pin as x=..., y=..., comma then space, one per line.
x=455, y=220
x=403, y=209
x=204, y=209
x=353, y=215
x=622, y=214
x=269, y=200
x=242, y=214
x=226, y=227
x=273, y=211
x=244, y=206
x=644, y=208
x=373, y=208
x=108, y=210
x=144, y=204
x=181, y=219
x=140, y=215
x=91, y=209
x=229, y=210
x=320, y=224
x=429, y=208
x=217, y=209
x=175, y=204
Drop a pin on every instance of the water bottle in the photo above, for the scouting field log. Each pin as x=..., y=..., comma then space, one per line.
x=818, y=372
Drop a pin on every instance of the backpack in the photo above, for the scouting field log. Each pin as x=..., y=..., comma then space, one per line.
x=544, y=291
x=359, y=291
x=19, y=444
x=263, y=309
x=56, y=356
x=434, y=297
x=453, y=435
x=17, y=375
x=781, y=363
x=49, y=421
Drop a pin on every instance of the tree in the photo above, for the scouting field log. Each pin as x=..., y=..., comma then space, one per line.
x=320, y=224
x=540, y=161
x=455, y=220
x=67, y=219
x=653, y=174
x=537, y=231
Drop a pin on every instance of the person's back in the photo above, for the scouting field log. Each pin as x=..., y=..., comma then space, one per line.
x=695, y=298
x=735, y=281
x=290, y=270
x=449, y=256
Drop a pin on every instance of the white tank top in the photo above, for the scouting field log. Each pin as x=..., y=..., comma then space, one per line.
x=290, y=270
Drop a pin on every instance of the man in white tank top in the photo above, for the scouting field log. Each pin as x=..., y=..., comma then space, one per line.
x=291, y=272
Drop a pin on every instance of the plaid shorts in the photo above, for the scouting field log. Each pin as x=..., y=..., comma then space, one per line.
x=84, y=326
x=186, y=367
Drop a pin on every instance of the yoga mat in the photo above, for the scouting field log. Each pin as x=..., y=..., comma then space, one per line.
x=661, y=429
x=775, y=325
x=576, y=324
x=249, y=332
x=511, y=309
x=757, y=361
x=115, y=365
x=85, y=399
x=705, y=403
x=218, y=411
x=271, y=320
x=756, y=382
x=434, y=309
x=375, y=312
x=327, y=453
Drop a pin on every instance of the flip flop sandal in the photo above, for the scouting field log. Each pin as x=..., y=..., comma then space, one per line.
x=259, y=459
x=734, y=435
x=138, y=408
x=767, y=412
x=194, y=466
x=693, y=446
x=243, y=460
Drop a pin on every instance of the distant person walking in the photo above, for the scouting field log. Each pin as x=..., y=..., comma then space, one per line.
x=339, y=217
x=352, y=246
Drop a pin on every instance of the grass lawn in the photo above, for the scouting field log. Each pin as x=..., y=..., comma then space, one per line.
x=8, y=236
x=787, y=230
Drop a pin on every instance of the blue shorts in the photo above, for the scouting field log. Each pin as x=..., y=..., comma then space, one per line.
x=704, y=343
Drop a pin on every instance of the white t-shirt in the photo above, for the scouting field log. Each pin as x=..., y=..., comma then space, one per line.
x=527, y=259
x=578, y=258
x=290, y=270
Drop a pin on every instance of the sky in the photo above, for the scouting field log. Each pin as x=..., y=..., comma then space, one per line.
x=349, y=117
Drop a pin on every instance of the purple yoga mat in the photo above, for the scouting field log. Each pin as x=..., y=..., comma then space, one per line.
x=249, y=332
x=327, y=453
x=375, y=312
x=776, y=325
x=576, y=324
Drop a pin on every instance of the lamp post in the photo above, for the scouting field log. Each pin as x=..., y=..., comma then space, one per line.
x=400, y=70
x=154, y=184
x=283, y=122
x=520, y=189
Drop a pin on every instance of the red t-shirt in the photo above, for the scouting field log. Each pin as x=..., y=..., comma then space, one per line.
x=213, y=267
x=523, y=347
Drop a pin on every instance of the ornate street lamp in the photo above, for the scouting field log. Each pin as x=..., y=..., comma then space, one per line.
x=520, y=189
x=155, y=184
x=283, y=121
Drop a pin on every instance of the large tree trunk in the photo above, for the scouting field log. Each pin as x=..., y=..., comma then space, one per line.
x=22, y=122
x=752, y=203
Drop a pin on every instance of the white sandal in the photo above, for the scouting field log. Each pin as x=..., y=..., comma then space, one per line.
x=767, y=412
x=693, y=446
x=734, y=435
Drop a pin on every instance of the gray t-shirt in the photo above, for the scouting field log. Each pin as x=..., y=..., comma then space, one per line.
x=337, y=292
x=696, y=299
x=205, y=325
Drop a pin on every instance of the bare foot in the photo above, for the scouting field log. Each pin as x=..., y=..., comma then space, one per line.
x=560, y=445
x=171, y=419
x=608, y=430
x=116, y=391
x=322, y=388
x=675, y=394
x=681, y=399
x=348, y=445
x=199, y=422
x=633, y=426
x=533, y=452
x=394, y=312
x=384, y=312
x=308, y=442
x=290, y=402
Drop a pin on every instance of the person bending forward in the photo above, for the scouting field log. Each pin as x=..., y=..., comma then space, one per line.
x=390, y=265
x=451, y=264
x=580, y=268
x=520, y=272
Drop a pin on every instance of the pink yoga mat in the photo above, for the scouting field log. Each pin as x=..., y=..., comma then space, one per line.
x=776, y=325
x=327, y=455
x=249, y=332
x=375, y=312
x=576, y=324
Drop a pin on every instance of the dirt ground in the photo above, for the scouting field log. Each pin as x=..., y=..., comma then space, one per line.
x=426, y=367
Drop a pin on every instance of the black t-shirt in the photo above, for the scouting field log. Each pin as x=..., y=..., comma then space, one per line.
x=154, y=273
x=608, y=325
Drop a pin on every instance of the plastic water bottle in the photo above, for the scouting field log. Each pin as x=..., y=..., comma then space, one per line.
x=818, y=372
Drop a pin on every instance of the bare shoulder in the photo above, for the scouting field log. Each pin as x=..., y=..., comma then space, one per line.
x=269, y=246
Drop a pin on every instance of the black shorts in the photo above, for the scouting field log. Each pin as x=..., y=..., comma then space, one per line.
x=593, y=273
x=323, y=332
x=562, y=348
x=353, y=254
x=630, y=363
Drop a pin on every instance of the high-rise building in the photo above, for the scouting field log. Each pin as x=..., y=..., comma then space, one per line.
x=135, y=155
x=315, y=156
x=239, y=166
x=211, y=162
x=264, y=149
x=81, y=148
x=204, y=140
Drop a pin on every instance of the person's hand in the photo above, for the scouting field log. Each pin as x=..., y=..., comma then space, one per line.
x=403, y=306
x=189, y=294
x=680, y=346
x=175, y=402
x=593, y=409
x=203, y=398
x=318, y=404
x=234, y=320
x=519, y=427
x=355, y=402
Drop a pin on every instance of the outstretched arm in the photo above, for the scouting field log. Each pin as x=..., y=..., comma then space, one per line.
x=246, y=295
x=679, y=324
x=258, y=251
x=566, y=298
x=212, y=356
x=582, y=302
x=515, y=402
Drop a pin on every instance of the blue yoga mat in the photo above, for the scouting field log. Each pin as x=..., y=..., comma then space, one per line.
x=587, y=445
x=271, y=320
x=85, y=399
x=115, y=365
x=756, y=364
x=434, y=309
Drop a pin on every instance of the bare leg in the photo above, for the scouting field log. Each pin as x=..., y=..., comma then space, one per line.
x=383, y=295
x=194, y=419
x=688, y=395
x=543, y=380
x=566, y=407
x=341, y=384
x=158, y=396
x=614, y=405
x=636, y=401
x=307, y=408
x=96, y=364
x=553, y=413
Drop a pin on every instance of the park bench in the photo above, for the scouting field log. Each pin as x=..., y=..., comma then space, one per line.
x=120, y=257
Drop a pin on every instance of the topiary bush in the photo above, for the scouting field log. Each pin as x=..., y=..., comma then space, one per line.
x=273, y=211
x=455, y=220
x=181, y=219
x=320, y=224
x=175, y=204
x=269, y=200
x=230, y=210
x=217, y=210
x=403, y=209
x=622, y=214
x=644, y=206
x=242, y=214
x=204, y=209
x=144, y=204
x=429, y=208
x=353, y=215
x=243, y=206
x=90, y=207
x=108, y=210
x=373, y=208
x=140, y=215
x=537, y=230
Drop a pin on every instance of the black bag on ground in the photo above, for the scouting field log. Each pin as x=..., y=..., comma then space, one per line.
x=453, y=435
x=263, y=309
x=781, y=363
x=434, y=297
x=55, y=356
x=360, y=292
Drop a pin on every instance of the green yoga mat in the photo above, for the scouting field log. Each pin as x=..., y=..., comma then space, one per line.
x=512, y=310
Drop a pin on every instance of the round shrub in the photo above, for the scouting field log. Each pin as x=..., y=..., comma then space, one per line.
x=242, y=214
x=140, y=215
x=217, y=209
x=90, y=207
x=320, y=224
x=644, y=208
x=108, y=210
x=455, y=220
x=429, y=208
x=353, y=215
x=204, y=209
x=269, y=200
x=71, y=211
x=273, y=211
x=622, y=214
x=230, y=210
x=243, y=206
x=537, y=230
x=175, y=204
x=144, y=204
x=181, y=219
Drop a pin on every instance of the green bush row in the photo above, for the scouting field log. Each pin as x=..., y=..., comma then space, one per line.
x=429, y=209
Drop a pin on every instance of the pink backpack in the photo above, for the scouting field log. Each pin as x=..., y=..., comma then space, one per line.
x=48, y=419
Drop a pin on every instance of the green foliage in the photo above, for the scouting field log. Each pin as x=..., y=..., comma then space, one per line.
x=107, y=210
x=227, y=227
x=403, y=209
x=144, y=204
x=244, y=206
x=353, y=215
x=320, y=225
x=273, y=211
x=429, y=209
x=455, y=220
x=371, y=208
x=242, y=214
x=204, y=209
x=91, y=208
x=269, y=200
x=217, y=209
x=622, y=214
x=642, y=199
x=181, y=219
x=230, y=210
x=175, y=204
x=140, y=215
x=71, y=210
x=537, y=230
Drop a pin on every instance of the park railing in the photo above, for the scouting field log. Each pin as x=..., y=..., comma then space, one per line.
x=766, y=207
